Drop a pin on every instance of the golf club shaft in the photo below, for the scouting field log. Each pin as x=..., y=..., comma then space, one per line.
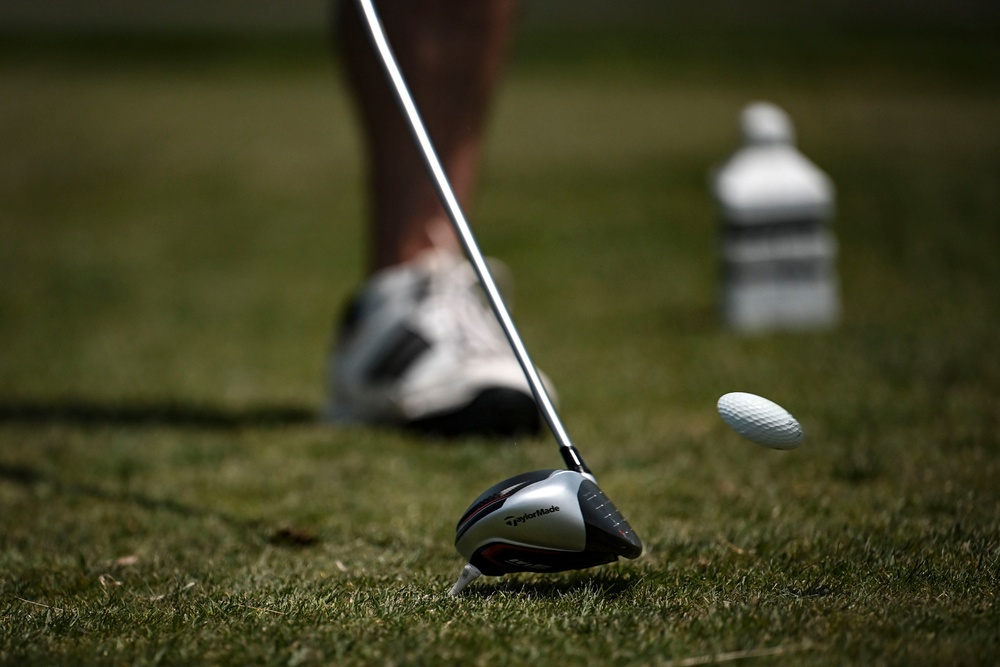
x=454, y=210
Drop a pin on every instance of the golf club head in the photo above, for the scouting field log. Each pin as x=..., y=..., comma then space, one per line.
x=542, y=521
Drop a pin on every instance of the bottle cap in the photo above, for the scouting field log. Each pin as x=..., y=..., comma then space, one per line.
x=766, y=123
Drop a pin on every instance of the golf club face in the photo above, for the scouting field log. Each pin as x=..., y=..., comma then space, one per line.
x=544, y=521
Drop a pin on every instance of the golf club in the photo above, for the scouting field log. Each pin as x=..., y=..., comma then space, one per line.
x=552, y=520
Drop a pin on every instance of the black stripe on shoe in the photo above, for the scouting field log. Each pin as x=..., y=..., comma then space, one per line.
x=399, y=354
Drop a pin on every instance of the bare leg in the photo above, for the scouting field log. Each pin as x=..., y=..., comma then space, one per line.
x=452, y=54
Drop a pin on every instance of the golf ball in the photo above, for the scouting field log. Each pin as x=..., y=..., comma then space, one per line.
x=760, y=420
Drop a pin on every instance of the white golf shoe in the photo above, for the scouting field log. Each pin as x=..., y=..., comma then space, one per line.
x=419, y=348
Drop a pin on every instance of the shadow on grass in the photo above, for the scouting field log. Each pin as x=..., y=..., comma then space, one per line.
x=83, y=412
x=28, y=476
x=253, y=529
x=601, y=583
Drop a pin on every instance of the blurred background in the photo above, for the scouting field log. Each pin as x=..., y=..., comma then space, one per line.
x=181, y=180
x=305, y=15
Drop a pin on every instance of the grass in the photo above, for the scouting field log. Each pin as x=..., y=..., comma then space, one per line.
x=177, y=235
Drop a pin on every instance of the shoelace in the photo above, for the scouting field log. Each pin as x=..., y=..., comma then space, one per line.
x=457, y=305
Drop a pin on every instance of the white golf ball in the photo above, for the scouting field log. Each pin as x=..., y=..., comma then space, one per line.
x=760, y=420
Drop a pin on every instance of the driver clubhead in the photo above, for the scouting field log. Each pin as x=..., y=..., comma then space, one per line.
x=542, y=521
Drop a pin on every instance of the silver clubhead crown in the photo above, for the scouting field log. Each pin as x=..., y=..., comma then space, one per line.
x=542, y=521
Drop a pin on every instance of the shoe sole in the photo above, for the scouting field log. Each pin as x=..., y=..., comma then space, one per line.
x=495, y=412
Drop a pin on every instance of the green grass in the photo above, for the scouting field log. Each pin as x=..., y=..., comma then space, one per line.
x=177, y=236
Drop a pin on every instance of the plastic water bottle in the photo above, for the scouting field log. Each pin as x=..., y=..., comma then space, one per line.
x=778, y=253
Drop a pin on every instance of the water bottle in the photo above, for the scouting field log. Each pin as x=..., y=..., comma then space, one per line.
x=778, y=254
